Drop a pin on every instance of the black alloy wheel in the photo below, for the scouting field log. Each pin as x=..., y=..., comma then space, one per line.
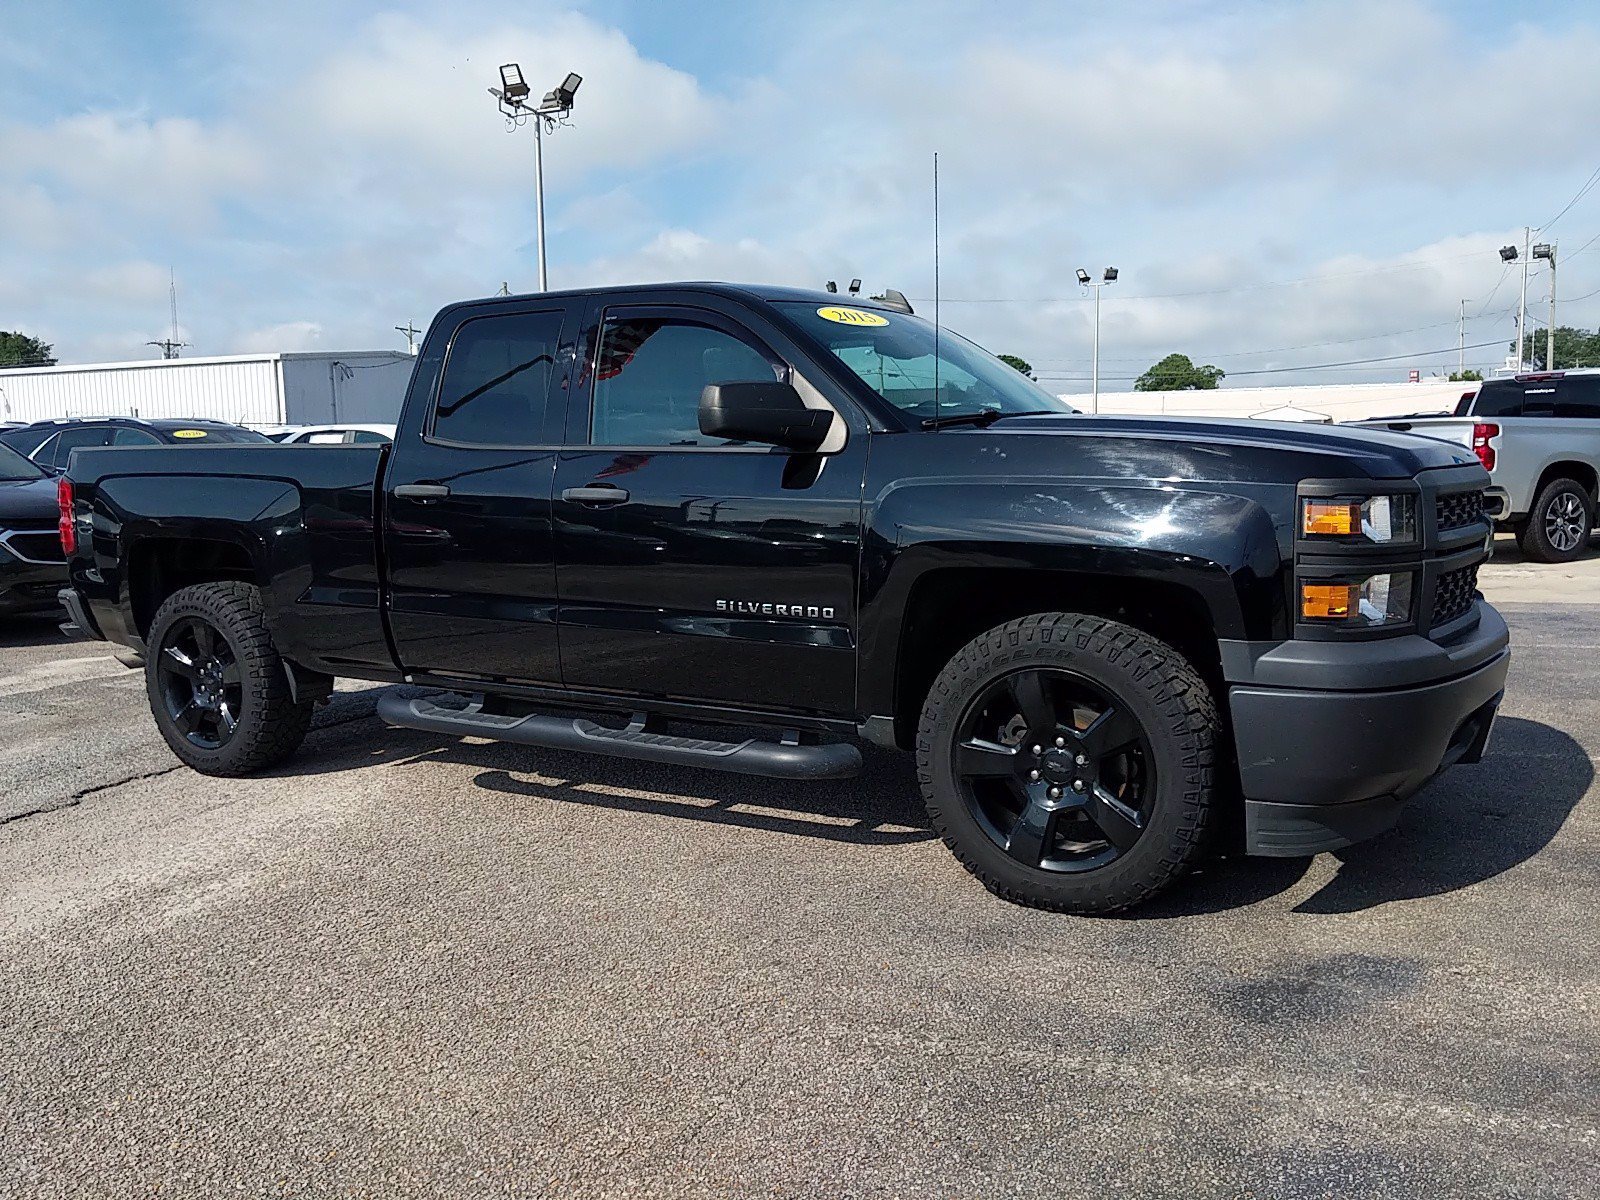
x=200, y=682
x=1056, y=772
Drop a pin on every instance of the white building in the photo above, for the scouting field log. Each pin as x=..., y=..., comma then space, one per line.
x=1319, y=401
x=258, y=390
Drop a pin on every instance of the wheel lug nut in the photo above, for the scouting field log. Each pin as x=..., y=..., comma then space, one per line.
x=1038, y=749
x=1033, y=775
x=1080, y=760
x=1060, y=742
x=1077, y=785
x=1055, y=793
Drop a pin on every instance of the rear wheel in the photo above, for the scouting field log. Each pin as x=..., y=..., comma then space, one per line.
x=216, y=684
x=1558, y=526
x=1067, y=762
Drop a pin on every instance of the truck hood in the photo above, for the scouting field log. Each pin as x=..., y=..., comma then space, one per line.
x=33, y=500
x=1222, y=449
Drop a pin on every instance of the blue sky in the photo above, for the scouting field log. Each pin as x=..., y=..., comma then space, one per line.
x=1281, y=185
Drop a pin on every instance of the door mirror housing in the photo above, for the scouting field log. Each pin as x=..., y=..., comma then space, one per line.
x=762, y=411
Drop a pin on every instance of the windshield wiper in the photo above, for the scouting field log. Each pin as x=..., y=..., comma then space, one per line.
x=984, y=417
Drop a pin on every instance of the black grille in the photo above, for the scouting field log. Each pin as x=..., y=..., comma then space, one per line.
x=1453, y=595
x=36, y=547
x=1462, y=508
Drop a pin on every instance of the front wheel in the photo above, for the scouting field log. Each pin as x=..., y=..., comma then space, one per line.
x=216, y=685
x=1558, y=526
x=1066, y=760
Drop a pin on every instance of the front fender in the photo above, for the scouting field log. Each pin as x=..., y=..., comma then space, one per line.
x=1222, y=546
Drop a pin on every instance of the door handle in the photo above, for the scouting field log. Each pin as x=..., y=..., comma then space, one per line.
x=421, y=491
x=595, y=495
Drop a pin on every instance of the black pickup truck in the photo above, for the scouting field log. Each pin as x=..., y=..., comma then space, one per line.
x=618, y=520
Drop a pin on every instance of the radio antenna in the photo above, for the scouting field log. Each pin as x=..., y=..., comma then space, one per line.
x=936, y=396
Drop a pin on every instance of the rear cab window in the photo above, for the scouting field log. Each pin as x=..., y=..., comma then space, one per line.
x=495, y=389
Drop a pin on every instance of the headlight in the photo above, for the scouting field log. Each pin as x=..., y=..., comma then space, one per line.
x=1370, y=603
x=1377, y=519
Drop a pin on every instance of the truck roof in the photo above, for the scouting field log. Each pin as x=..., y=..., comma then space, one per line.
x=754, y=291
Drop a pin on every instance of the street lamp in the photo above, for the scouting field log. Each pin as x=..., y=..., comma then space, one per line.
x=1110, y=276
x=512, y=95
x=1547, y=250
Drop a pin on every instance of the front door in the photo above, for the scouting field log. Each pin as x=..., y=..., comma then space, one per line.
x=467, y=527
x=691, y=568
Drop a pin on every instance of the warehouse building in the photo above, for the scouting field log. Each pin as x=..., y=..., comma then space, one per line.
x=258, y=390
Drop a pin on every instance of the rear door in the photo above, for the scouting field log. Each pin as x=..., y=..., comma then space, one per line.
x=692, y=568
x=53, y=454
x=471, y=561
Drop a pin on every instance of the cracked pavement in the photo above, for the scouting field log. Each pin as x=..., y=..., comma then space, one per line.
x=405, y=966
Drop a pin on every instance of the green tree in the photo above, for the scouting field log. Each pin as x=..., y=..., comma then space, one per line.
x=1574, y=348
x=20, y=350
x=1177, y=373
x=1021, y=364
x=1467, y=376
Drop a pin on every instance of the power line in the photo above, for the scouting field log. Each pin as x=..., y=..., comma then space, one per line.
x=1243, y=287
x=1581, y=193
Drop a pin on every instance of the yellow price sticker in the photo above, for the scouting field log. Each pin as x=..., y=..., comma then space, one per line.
x=851, y=316
x=188, y=433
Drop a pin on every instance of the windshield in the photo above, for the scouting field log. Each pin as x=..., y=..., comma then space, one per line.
x=893, y=354
x=13, y=466
x=217, y=433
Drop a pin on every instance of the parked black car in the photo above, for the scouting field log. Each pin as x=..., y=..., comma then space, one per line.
x=32, y=567
x=1106, y=640
x=51, y=443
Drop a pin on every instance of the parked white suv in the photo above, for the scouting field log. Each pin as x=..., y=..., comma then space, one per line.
x=1539, y=436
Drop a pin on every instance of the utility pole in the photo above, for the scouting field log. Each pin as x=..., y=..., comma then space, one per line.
x=1522, y=305
x=410, y=331
x=1461, y=340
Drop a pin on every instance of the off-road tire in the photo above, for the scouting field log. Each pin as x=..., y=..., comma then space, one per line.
x=1165, y=694
x=271, y=723
x=1533, y=536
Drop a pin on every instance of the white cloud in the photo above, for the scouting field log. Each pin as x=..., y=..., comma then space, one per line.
x=285, y=336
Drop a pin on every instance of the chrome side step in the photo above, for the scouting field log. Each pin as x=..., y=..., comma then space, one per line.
x=789, y=759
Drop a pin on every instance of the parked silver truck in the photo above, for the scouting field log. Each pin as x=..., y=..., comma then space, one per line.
x=1539, y=437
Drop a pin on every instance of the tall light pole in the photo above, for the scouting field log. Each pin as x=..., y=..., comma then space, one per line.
x=1110, y=276
x=512, y=95
x=1547, y=250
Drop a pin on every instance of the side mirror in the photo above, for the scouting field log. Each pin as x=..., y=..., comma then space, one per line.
x=765, y=411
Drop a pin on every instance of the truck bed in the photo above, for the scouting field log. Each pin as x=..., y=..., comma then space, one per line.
x=306, y=516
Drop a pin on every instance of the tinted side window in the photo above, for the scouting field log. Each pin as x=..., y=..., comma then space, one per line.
x=1579, y=396
x=69, y=440
x=497, y=380
x=366, y=437
x=1499, y=398
x=134, y=437
x=26, y=441
x=649, y=375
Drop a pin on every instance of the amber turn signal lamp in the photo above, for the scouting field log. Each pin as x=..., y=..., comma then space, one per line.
x=1336, y=518
x=1327, y=601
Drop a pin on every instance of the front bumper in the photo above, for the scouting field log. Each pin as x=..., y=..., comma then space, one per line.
x=29, y=586
x=1327, y=765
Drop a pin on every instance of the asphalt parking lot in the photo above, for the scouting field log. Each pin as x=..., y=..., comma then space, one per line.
x=408, y=966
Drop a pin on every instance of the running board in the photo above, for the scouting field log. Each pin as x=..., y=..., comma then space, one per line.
x=788, y=759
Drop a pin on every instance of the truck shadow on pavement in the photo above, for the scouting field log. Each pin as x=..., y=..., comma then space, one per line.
x=1467, y=826
x=881, y=807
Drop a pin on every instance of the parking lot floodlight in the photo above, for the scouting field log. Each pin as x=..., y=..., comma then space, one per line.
x=832, y=286
x=1543, y=250
x=568, y=90
x=1508, y=254
x=1111, y=275
x=1083, y=276
x=855, y=287
x=511, y=81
